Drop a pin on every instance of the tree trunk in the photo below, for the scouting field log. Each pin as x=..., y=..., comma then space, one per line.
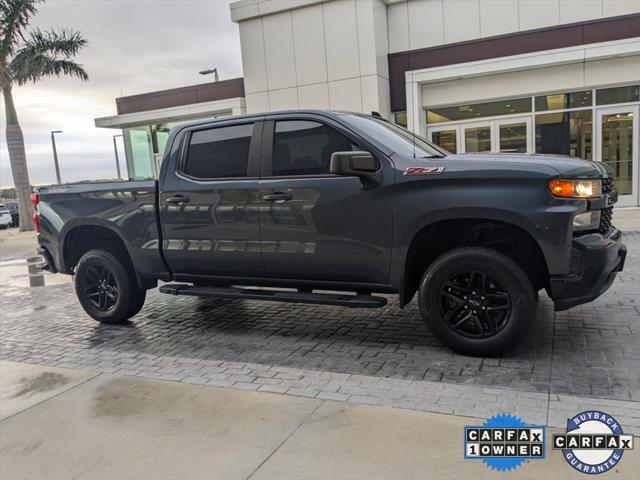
x=18, y=160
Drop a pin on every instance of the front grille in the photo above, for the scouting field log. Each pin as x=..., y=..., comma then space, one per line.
x=606, y=215
x=607, y=185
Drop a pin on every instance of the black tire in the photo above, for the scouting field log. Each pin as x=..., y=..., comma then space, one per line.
x=106, y=287
x=488, y=322
x=137, y=302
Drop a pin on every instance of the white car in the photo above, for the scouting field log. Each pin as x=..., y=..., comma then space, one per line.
x=5, y=217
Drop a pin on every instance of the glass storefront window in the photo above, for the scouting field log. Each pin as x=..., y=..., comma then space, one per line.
x=475, y=110
x=560, y=101
x=160, y=135
x=139, y=152
x=617, y=148
x=400, y=118
x=445, y=139
x=606, y=96
x=513, y=137
x=565, y=133
x=477, y=139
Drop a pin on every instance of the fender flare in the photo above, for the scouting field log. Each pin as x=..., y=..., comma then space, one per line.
x=92, y=222
x=405, y=238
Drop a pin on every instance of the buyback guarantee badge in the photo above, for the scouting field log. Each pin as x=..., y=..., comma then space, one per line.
x=593, y=443
x=504, y=442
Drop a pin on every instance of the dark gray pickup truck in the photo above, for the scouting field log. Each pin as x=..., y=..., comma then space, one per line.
x=334, y=208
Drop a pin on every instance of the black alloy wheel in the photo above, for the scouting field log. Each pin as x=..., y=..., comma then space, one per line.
x=106, y=286
x=474, y=305
x=101, y=287
x=477, y=301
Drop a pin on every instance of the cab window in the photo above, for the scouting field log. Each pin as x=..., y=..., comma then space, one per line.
x=219, y=152
x=302, y=147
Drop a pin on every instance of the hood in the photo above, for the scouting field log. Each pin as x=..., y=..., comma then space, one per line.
x=567, y=167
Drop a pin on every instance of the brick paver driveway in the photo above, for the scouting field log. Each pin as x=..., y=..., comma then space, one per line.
x=586, y=357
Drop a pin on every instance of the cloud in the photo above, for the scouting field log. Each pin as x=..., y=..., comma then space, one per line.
x=135, y=46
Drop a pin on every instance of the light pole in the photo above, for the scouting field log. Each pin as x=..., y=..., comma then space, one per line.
x=55, y=154
x=210, y=71
x=115, y=150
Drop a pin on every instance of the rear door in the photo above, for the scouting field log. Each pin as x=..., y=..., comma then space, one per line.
x=314, y=225
x=209, y=204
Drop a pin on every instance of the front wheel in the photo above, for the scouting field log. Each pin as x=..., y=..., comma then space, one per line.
x=477, y=301
x=106, y=287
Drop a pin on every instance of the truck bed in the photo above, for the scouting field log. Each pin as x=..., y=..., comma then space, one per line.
x=127, y=209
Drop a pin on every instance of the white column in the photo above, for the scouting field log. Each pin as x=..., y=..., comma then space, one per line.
x=415, y=118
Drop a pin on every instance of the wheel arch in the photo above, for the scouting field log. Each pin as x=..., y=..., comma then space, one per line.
x=502, y=234
x=81, y=235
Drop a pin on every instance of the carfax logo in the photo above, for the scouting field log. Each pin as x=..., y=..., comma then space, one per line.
x=594, y=442
x=504, y=442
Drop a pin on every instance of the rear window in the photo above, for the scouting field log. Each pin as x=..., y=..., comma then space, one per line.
x=219, y=152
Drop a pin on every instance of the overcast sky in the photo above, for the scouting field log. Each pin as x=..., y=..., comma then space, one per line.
x=135, y=46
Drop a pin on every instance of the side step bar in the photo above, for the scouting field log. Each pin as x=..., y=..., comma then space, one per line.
x=354, y=301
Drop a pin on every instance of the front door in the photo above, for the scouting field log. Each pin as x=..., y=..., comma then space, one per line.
x=513, y=135
x=617, y=132
x=209, y=204
x=476, y=138
x=506, y=135
x=314, y=225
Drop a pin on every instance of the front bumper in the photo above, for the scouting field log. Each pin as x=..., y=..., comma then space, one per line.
x=595, y=261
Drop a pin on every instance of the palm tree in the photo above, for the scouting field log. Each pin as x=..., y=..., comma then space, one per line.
x=28, y=57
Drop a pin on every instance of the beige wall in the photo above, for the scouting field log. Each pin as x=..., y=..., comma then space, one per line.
x=332, y=54
x=427, y=23
x=326, y=55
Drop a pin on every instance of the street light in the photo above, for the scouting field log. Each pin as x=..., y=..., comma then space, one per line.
x=55, y=154
x=209, y=72
x=115, y=149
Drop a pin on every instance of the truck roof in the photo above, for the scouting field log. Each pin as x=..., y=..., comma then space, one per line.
x=325, y=113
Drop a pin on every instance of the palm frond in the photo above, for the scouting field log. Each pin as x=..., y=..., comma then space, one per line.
x=14, y=18
x=33, y=68
x=48, y=53
x=64, y=42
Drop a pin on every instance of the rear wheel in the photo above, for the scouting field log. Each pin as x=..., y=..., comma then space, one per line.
x=106, y=287
x=477, y=301
x=137, y=302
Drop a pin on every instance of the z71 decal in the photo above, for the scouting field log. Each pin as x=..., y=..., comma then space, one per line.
x=423, y=170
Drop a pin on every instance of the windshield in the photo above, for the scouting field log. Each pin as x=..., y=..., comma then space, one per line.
x=394, y=137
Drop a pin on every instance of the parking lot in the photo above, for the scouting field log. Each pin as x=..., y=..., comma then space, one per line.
x=587, y=357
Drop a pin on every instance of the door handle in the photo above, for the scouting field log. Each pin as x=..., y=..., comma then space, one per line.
x=277, y=197
x=178, y=199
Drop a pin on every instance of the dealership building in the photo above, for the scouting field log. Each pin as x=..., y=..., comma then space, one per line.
x=518, y=76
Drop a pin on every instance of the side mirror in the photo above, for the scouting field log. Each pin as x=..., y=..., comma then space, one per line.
x=357, y=164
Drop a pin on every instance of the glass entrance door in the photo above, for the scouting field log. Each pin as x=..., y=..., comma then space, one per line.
x=513, y=135
x=617, y=146
x=507, y=135
x=477, y=137
x=446, y=137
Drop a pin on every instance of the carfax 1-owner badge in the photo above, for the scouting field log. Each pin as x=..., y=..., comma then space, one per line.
x=504, y=442
x=593, y=443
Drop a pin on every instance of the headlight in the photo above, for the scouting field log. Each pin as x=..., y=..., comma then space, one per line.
x=587, y=221
x=576, y=188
